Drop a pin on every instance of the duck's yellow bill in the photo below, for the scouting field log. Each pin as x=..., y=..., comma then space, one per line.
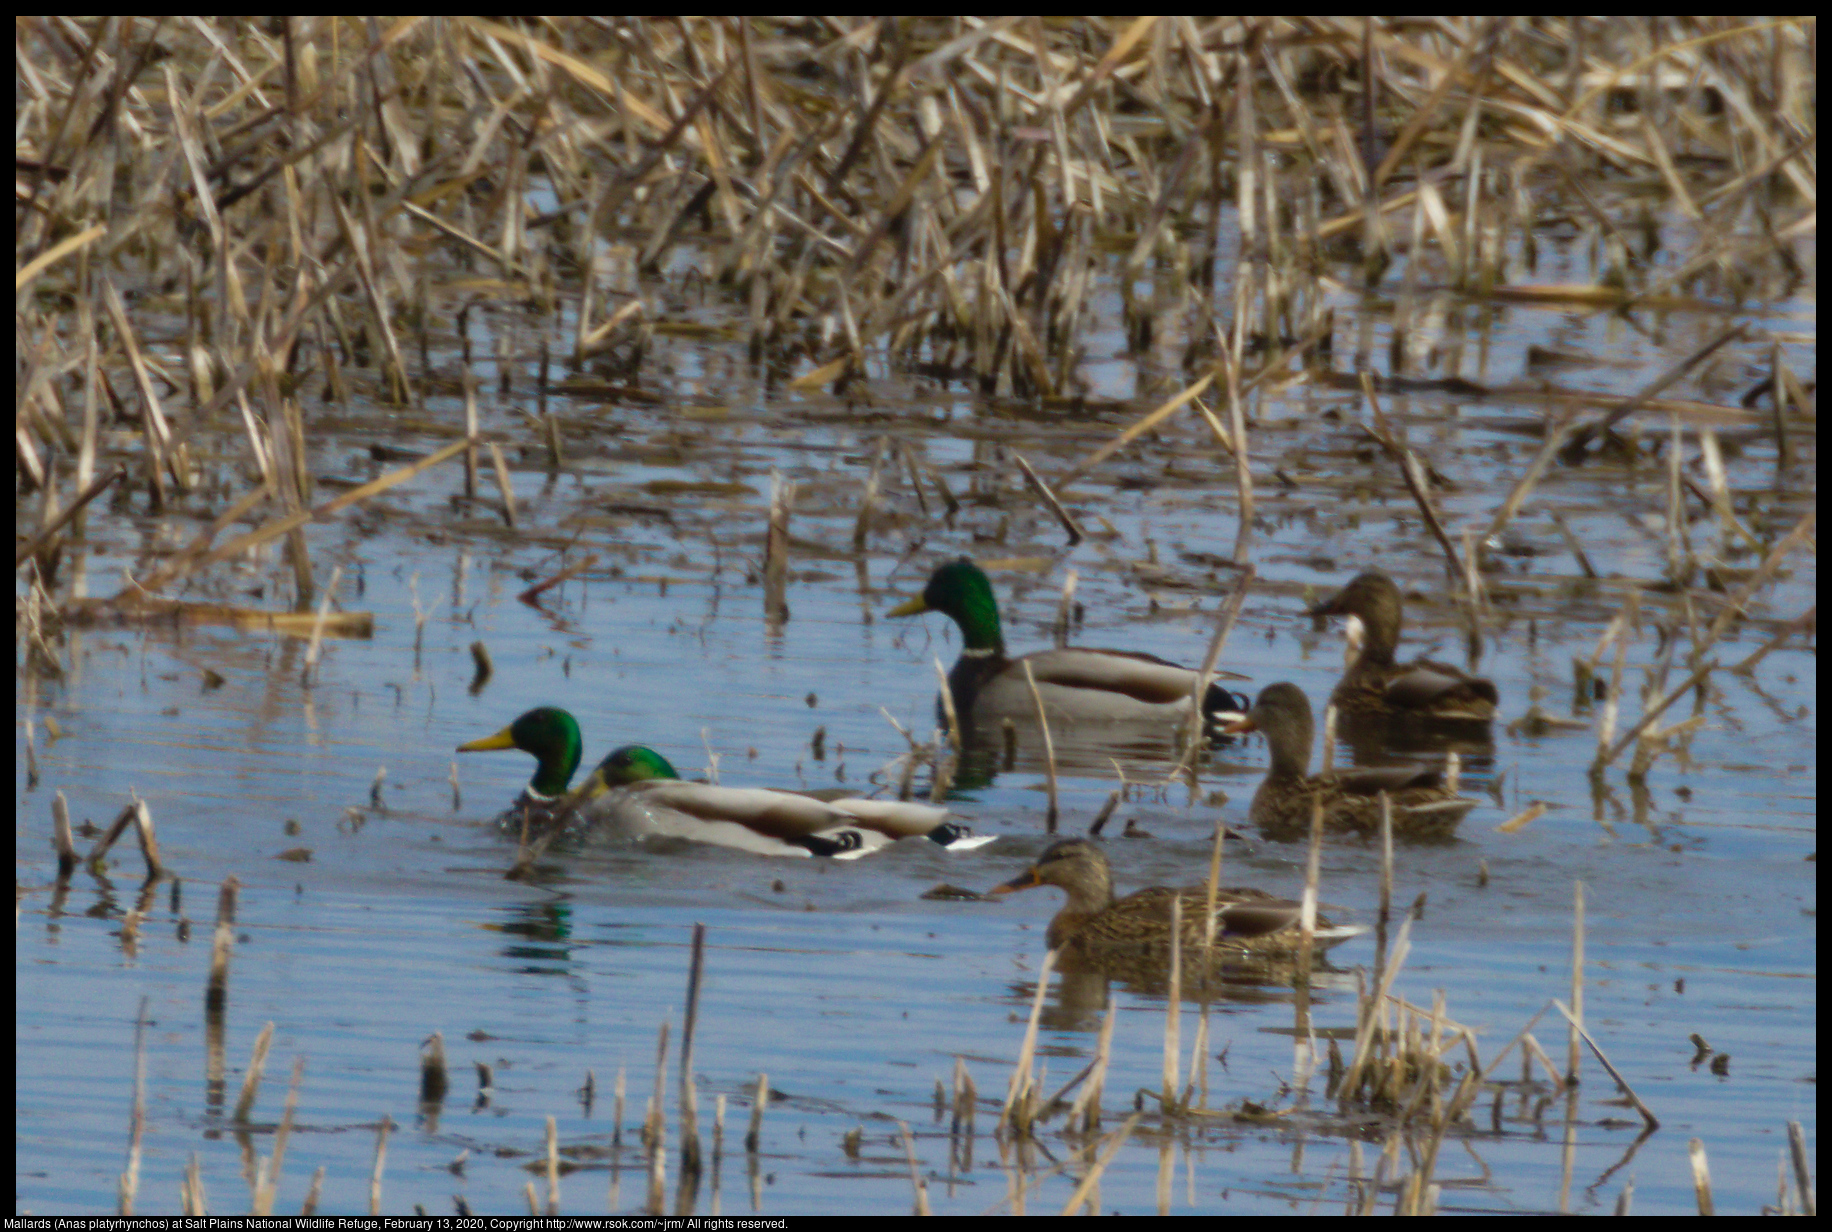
x=501, y=740
x=909, y=607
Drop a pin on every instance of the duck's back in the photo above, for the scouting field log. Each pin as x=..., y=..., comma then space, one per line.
x=1088, y=685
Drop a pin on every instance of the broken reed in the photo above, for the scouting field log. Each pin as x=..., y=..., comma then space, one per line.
x=948, y=189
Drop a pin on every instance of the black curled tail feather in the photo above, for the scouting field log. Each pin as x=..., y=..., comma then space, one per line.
x=830, y=845
x=948, y=832
x=1218, y=699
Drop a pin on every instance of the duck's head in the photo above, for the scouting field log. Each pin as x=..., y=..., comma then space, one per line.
x=959, y=589
x=633, y=763
x=1373, y=599
x=1281, y=713
x=548, y=733
x=1075, y=864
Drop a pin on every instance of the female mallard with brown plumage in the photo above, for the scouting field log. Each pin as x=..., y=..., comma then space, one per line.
x=1077, y=684
x=1094, y=924
x=1425, y=800
x=1377, y=687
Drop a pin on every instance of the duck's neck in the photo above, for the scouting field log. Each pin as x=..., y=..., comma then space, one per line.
x=1290, y=749
x=555, y=769
x=1088, y=897
x=978, y=616
x=1379, y=639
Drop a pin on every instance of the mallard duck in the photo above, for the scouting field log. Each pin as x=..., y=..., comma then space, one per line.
x=1425, y=800
x=634, y=791
x=1077, y=684
x=1374, y=686
x=551, y=735
x=1094, y=924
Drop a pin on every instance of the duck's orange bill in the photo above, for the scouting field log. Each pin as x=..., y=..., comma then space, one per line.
x=1023, y=881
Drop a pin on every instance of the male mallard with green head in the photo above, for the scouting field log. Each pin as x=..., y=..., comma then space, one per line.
x=551, y=736
x=1375, y=686
x=636, y=792
x=1424, y=800
x=1077, y=684
x=1093, y=923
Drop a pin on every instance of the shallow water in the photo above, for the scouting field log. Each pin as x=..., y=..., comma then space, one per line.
x=837, y=980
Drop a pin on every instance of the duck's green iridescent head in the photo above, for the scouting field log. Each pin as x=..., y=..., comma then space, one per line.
x=633, y=763
x=959, y=589
x=551, y=735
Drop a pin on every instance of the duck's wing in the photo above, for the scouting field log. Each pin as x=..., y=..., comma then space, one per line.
x=1372, y=780
x=1443, y=690
x=1246, y=913
x=775, y=823
x=897, y=818
x=1141, y=677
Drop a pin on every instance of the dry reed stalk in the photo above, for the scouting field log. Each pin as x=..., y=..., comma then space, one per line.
x=149, y=844
x=1413, y=472
x=551, y=1158
x=1145, y=424
x=1213, y=885
x=1373, y=1010
x=1303, y=1038
x=1017, y=1110
x=776, y=550
x=1205, y=675
x=761, y=1096
x=33, y=545
x=1042, y=489
x=191, y=1197
x=217, y=990
x=1049, y=745
x=310, y=1205
x=617, y=1100
x=1577, y=984
x=916, y=1182
x=689, y=1104
x=129, y=1184
x=164, y=577
x=947, y=706
x=318, y=622
x=1385, y=913
x=1701, y=1176
x=61, y=840
x=1173, y=1012
x=1111, y=1148
x=1582, y=436
x=434, y=1078
x=655, y=1122
x=268, y=1190
x=530, y=595
x=1803, y=1170
x=868, y=503
x=375, y=1172
x=503, y=483
x=115, y=829
x=251, y=1080
x=1628, y=1092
